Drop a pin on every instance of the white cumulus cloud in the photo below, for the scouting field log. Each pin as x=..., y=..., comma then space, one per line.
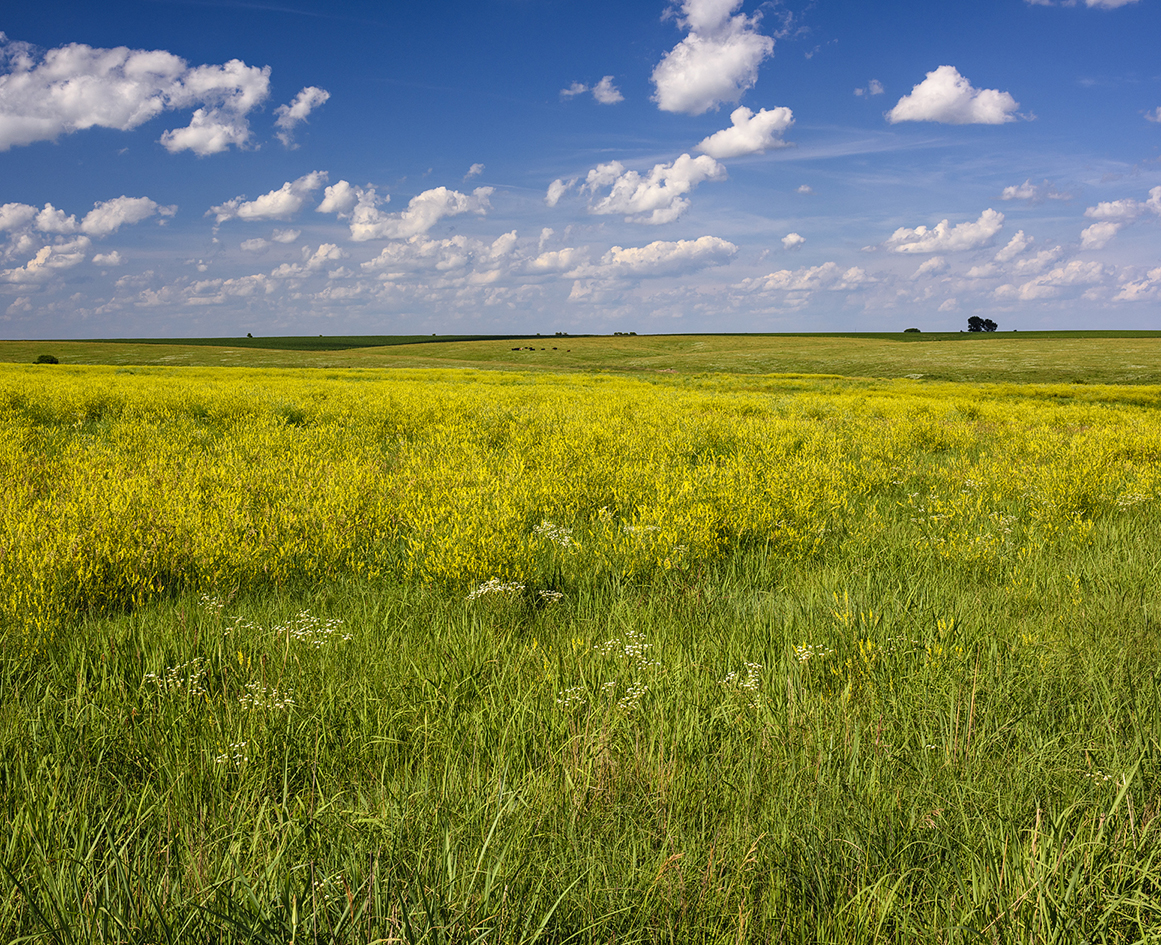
x=874, y=87
x=297, y=111
x=604, y=91
x=457, y=254
x=946, y=96
x=210, y=131
x=659, y=197
x=1098, y=235
x=793, y=241
x=52, y=220
x=1049, y=285
x=827, y=276
x=1016, y=245
x=74, y=87
x=107, y=259
x=339, y=198
x=1115, y=215
x=1138, y=290
x=424, y=210
x=48, y=260
x=716, y=62
x=1034, y=192
x=931, y=267
x=557, y=189
x=279, y=204
x=1038, y=262
x=1119, y=211
x=558, y=260
x=105, y=218
x=749, y=133
x=660, y=258
x=944, y=238
x=109, y=216
x=1024, y=191
x=15, y=215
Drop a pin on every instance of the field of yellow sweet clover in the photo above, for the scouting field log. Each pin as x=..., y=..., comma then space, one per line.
x=121, y=486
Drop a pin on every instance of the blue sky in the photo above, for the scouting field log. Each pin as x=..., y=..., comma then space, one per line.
x=213, y=167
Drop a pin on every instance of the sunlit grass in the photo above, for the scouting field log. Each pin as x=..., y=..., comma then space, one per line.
x=506, y=658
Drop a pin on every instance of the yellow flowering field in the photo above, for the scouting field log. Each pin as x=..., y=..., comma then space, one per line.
x=454, y=656
x=121, y=486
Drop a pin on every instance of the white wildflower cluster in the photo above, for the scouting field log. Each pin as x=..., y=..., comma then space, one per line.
x=258, y=696
x=187, y=678
x=631, y=646
x=235, y=755
x=749, y=680
x=551, y=597
x=1098, y=776
x=1129, y=499
x=495, y=586
x=311, y=630
x=556, y=534
x=746, y=682
x=805, y=652
x=899, y=644
x=632, y=697
x=576, y=695
x=239, y=625
x=331, y=888
x=304, y=628
x=211, y=602
x=629, y=701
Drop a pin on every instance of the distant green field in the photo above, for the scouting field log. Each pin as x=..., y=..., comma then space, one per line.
x=1109, y=357
x=310, y=342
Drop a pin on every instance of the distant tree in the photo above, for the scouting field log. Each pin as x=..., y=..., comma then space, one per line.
x=905, y=330
x=975, y=323
x=46, y=359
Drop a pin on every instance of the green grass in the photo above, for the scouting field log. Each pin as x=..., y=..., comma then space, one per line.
x=1024, y=357
x=983, y=767
x=311, y=342
x=967, y=754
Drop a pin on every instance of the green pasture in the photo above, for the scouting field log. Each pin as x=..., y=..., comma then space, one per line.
x=1105, y=357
